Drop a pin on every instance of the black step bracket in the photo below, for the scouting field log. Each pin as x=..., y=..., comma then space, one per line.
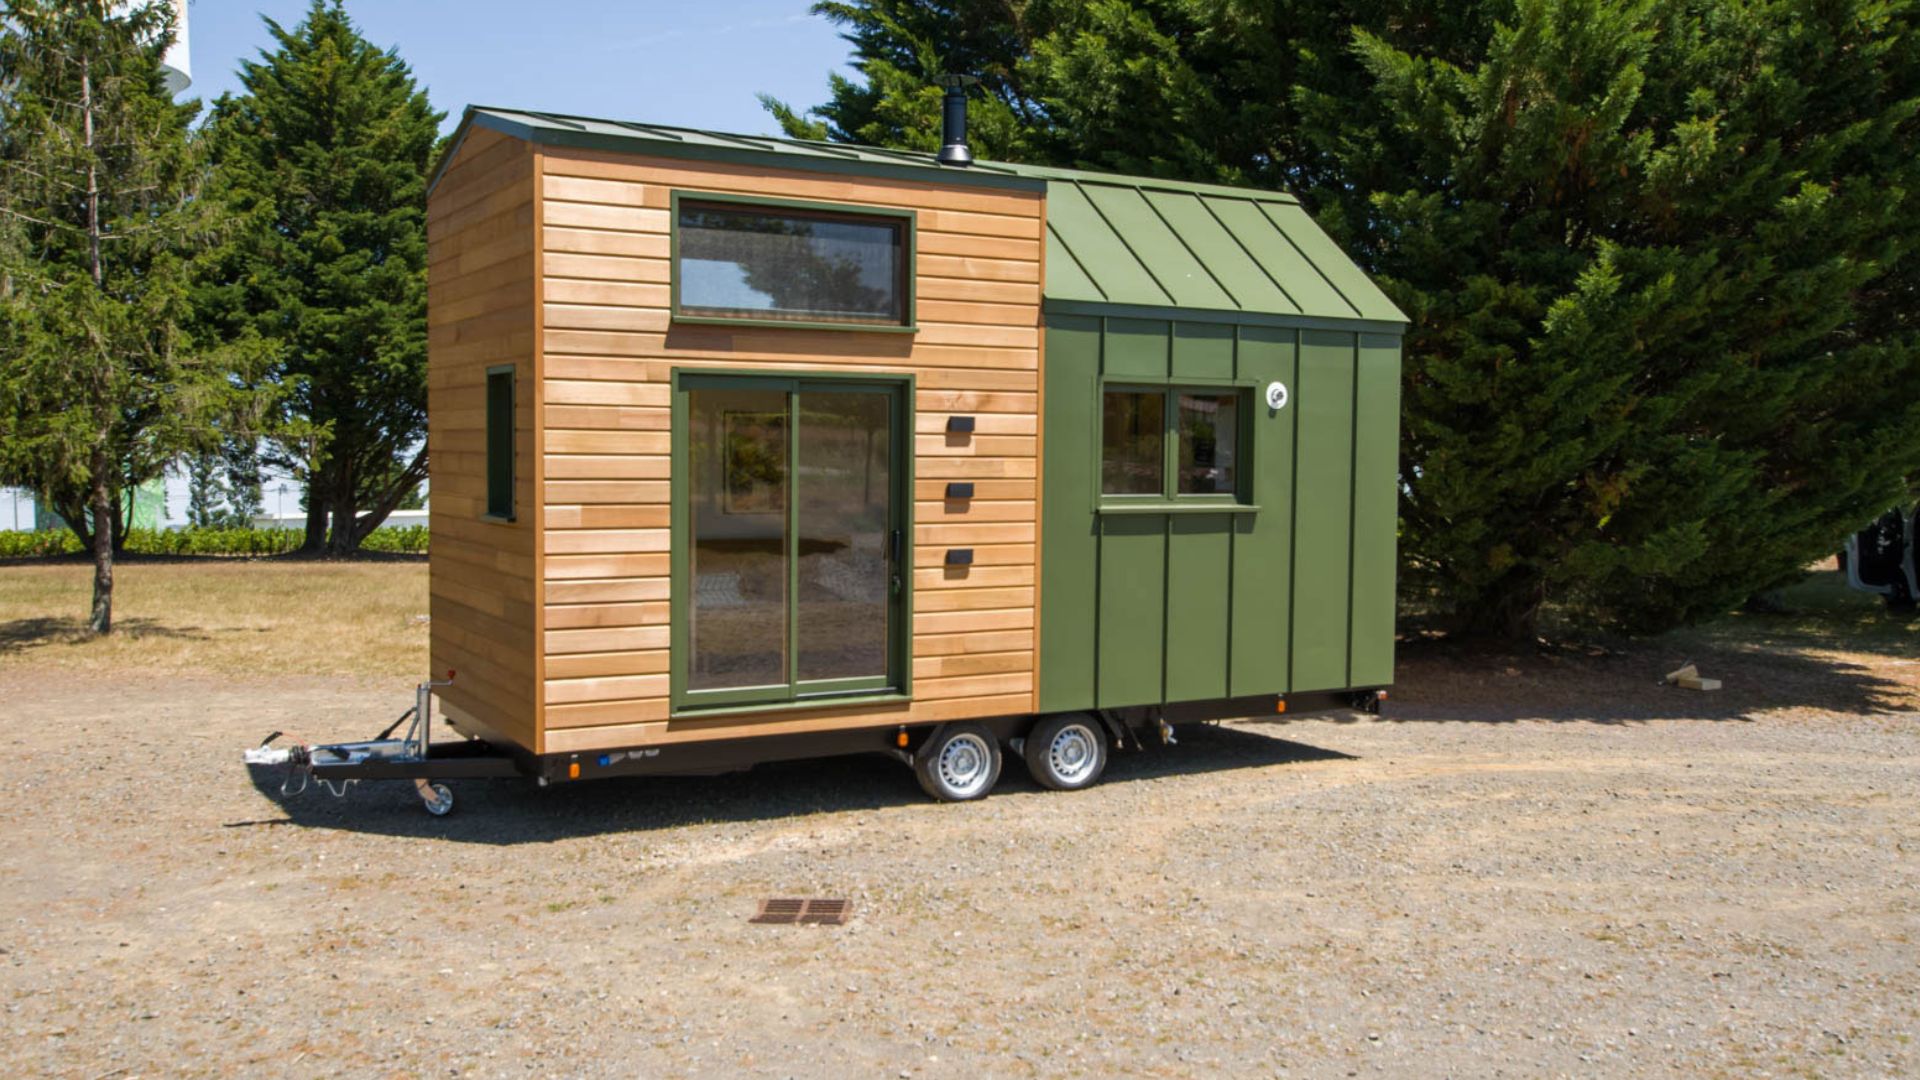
x=959, y=425
x=959, y=556
x=960, y=490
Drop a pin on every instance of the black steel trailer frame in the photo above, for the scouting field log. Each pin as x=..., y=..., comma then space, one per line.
x=428, y=764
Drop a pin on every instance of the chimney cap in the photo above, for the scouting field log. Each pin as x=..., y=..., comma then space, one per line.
x=956, y=82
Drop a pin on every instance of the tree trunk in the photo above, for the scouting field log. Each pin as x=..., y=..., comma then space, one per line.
x=343, y=539
x=103, y=473
x=319, y=503
x=102, y=619
x=402, y=486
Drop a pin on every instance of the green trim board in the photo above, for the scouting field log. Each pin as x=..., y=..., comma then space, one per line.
x=1166, y=313
x=1151, y=601
x=844, y=211
x=793, y=691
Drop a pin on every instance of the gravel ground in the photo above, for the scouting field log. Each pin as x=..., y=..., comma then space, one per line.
x=1538, y=868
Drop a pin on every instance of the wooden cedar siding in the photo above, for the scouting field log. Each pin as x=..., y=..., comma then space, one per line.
x=481, y=222
x=609, y=350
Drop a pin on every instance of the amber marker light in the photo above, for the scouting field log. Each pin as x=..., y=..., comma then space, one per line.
x=573, y=770
x=1280, y=706
x=901, y=739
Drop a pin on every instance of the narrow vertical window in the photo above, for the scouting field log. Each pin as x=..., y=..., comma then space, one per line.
x=500, y=443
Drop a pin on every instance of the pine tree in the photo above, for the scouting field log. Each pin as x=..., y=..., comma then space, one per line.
x=203, y=489
x=103, y=384
x=325, y=159
x=1660, y=259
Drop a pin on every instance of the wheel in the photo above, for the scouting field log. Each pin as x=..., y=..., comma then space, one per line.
x=437, y=798
x=1066, y=753
x=958, y=762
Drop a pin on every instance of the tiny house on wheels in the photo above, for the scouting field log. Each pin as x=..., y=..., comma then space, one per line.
x=748, y=449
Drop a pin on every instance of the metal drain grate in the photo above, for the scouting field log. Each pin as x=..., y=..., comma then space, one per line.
x=814, y=912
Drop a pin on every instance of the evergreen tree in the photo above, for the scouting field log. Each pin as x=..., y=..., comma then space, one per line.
x=325, y=159
x=103, y=384
x=242, y=490
x=203, y=489
x=1660, y=259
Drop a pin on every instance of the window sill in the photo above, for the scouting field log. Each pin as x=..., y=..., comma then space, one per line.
x=838, y=701
x=498, y=519
x=791, y=324
x=1177, y=508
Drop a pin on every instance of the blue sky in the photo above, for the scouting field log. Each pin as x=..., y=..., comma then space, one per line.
x=662, y=61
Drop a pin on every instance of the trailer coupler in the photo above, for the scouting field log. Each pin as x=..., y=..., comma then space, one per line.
x=413, y=756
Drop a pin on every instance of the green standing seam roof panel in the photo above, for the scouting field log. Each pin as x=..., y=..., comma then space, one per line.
x=1125, y=210
x=1065, y=279
x=1124, y=240
x=1101, y=252
x=1249, y=286
x=1282, y=261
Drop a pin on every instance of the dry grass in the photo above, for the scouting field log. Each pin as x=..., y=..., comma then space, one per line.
x=222, y=616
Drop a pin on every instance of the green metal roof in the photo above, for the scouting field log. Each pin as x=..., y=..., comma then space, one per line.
x=1112, y=240
x=1137, y=242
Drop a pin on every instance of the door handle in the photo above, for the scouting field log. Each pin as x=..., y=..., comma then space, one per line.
x=893, y=560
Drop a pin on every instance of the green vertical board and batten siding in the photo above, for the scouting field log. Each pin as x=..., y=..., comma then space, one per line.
x=1263, y=542
x=1146, y=608
x=1130, y=668
x=1199, y=605
x=1070, y=552
x=1376, y=454
x=1323, y=510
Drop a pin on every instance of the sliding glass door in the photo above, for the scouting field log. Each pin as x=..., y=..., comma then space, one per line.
x=790, y=500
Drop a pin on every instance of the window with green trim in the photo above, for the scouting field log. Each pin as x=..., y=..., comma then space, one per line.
x=791, y=264
x=500, y=442
x=1172, y=442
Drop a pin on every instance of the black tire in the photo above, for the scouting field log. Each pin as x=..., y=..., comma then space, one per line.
x=958, y=762
x=1067, y=753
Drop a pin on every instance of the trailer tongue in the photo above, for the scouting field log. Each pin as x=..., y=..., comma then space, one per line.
x=413, y=756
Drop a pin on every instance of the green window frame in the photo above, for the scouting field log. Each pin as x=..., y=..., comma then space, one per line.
x=499, y=442
x=1168, y=498
x=904, y=222
x=897, y=685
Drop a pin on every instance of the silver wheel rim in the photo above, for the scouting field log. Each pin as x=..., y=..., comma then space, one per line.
x=1072, y=754
x=964, y=764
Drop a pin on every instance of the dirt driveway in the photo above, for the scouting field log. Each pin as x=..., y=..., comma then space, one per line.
x=1538, y=867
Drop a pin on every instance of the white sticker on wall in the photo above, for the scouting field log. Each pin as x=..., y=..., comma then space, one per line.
x=1276, y=396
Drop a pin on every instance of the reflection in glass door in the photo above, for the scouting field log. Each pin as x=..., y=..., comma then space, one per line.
x=793, y=515
x=845, y=580
x=737, y=491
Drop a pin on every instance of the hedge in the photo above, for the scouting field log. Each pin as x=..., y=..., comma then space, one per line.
x=396, y=539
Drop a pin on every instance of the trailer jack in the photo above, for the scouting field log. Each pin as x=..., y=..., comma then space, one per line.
x=412, y=756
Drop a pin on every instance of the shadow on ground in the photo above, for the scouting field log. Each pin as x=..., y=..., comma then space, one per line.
x=21, y=635
x=518, y=812
x=1437, y=681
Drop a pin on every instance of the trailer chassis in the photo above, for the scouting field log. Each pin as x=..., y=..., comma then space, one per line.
x=415, y=756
